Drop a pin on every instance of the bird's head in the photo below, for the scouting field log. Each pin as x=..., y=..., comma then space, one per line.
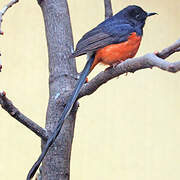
x=135, y=15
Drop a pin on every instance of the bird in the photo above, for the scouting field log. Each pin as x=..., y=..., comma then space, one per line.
x=111, y=42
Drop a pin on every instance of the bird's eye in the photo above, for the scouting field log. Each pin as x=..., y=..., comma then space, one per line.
x=135, y=14
x=138, y=16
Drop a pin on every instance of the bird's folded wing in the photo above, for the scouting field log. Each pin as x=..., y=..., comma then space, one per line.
x=98, y=38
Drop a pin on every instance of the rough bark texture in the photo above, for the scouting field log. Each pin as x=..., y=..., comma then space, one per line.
x=56, y=165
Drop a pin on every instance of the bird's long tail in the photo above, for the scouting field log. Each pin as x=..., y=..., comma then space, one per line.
x=64, y=114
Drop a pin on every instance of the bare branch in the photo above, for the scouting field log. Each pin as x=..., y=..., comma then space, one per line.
x=108, y=9
x=8, y=106
x=170, y=50
x=4, y=9
x=132, y=65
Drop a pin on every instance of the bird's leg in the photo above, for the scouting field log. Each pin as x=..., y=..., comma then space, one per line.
x=114, y=65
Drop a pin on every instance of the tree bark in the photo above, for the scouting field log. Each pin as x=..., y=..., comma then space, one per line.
x=56, y=165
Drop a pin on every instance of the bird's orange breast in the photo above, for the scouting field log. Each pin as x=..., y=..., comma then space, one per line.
x=116, y=53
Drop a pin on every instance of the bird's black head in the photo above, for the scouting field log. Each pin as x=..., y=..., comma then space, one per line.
x=135, y=15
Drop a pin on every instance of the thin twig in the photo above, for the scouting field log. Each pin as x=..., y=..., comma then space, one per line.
x=4, y=9
x=169, y=50
x=8, y=106
x=131, y=65
x=108, y=9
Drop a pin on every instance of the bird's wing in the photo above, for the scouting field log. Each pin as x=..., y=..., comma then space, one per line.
x=100, y=37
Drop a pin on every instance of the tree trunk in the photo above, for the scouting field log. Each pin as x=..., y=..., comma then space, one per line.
x=56, y=165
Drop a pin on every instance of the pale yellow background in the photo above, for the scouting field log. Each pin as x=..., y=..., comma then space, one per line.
x=128, y=129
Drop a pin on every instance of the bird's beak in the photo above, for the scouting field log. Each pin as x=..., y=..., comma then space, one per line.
x=151, y=14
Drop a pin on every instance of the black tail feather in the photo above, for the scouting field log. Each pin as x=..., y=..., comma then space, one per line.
x=65, y=113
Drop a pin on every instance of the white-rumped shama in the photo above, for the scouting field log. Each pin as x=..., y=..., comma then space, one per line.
x=111, y=42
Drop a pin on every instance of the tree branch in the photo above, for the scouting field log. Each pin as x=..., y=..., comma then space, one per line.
x=131, y=65
x=169, y=50
x=2, y=12
x=4, y=9
x=8, y=106
x=108, y=9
